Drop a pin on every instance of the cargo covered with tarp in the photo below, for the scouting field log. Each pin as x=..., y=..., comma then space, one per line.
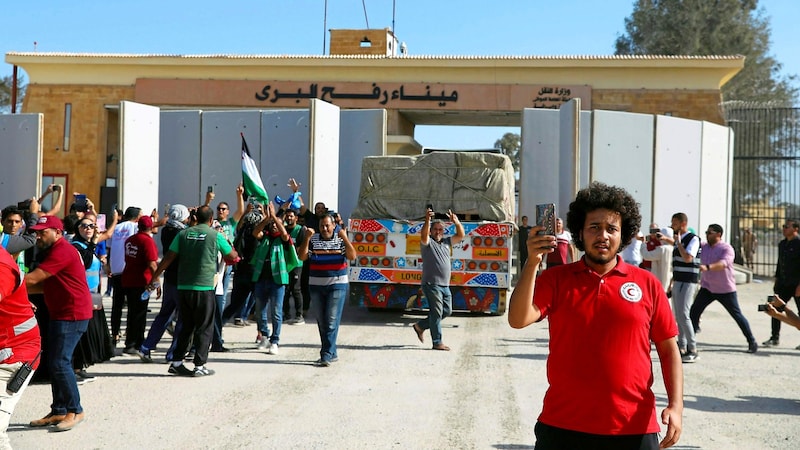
x=474, y=184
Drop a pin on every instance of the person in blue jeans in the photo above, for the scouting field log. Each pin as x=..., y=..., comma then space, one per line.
x=62, y=278
x=274, y=258
x=436, y=250
x=177, y=220
x=327, y=255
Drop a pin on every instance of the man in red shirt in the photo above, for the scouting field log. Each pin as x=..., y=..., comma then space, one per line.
x=62, y=278
x=20, y=344
x=603, y=314
x=141, y=258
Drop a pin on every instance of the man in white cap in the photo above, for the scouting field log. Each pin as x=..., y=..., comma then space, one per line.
x=658, y=252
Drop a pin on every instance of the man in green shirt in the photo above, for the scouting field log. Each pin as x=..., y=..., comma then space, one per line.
x=196, y=248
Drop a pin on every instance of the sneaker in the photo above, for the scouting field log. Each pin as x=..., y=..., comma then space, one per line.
x=130, y=351
x=202, y=372
x=144, y=356
x=220, y=349
x=322, y=363
x=262, y=343
x=82, y=377
x=238, y=322
x=334, y=359
x=299, y=321
x=752, y=347
x=181, y=370
x=690, y=357
x=273, y=349
x=771, y=342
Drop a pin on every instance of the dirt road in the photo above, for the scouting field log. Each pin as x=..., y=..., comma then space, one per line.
x=388, y=391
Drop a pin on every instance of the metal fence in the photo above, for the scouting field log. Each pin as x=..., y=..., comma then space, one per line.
x=766, y=180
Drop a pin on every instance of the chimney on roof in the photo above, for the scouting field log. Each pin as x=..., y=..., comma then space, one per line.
x=363, y=42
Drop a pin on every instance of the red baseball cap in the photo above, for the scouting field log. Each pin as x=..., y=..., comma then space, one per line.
x=46, y=222
x=145, y=223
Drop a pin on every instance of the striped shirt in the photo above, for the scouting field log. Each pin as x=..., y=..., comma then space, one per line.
x=327, y=261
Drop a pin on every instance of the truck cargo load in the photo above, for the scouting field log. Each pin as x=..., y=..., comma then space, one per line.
x=385, y=229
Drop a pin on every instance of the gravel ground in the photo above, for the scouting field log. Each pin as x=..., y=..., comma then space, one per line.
x=389, y=391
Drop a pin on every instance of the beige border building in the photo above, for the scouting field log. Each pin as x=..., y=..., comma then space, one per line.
x=446, y=90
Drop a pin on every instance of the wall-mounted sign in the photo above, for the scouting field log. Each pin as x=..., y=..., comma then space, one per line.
x=393, y=95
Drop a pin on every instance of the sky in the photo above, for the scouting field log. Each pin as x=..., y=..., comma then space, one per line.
x=298, y=27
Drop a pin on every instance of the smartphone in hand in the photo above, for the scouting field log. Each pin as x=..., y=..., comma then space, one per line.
x=546, y=217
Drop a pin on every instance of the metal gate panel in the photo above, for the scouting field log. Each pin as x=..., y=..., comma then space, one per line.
x=676, y=180
x=539, y=160
x=585, y=169
x=285, y=151
x=179, y=155
x=363, y=133
x=569, y=151
x=715, y=175
x=324, y=153
x=622, y=155
x=220, y=152
x=139, y=151
x=21, y=141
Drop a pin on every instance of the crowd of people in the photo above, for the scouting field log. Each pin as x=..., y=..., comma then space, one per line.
x=271, y=262
x=281, y=258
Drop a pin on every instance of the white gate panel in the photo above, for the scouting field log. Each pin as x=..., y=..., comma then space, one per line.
x=179, y=156
x=539, y=160
x=139, y=152
x=622, y=155
x=363, y=133
x=284, y=151
x=716, y=171
x=21, y=141
x=585, y=154
x=569, y=149
x=676, y=181
x=221, y=152
x=324, y=153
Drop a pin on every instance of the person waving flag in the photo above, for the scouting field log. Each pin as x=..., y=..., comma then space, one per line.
x=251, y=179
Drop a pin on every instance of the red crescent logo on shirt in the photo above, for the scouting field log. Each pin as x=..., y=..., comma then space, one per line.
x=631, y=292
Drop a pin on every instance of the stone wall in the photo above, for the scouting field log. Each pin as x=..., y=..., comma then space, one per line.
x=85, y=162
x=697, y=105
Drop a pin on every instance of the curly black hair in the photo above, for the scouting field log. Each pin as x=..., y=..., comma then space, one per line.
x=602, y=196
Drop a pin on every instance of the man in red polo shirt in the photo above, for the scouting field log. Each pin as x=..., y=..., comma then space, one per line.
x=62, y=278
x=141, y=258
x=603, y=314
x=21, y=341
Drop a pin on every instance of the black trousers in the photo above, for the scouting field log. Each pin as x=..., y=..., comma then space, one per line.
x=117, y=305
x=785, y=292
x=137, y=317
x=294, y=290
x=196, y=312
x=242, y=289
x=553, y=438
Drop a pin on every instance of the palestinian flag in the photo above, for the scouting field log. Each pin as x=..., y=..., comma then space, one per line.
x=251, y=179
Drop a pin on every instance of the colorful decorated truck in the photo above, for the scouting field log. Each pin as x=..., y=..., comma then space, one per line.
x=388, y=269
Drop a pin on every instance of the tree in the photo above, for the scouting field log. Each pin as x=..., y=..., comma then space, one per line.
x=5, y=93
x=711, y=27
x=510, y=145
x=766, y=143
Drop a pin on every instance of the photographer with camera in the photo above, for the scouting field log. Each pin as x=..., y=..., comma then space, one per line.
x=787, y=274
x=776, y=308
